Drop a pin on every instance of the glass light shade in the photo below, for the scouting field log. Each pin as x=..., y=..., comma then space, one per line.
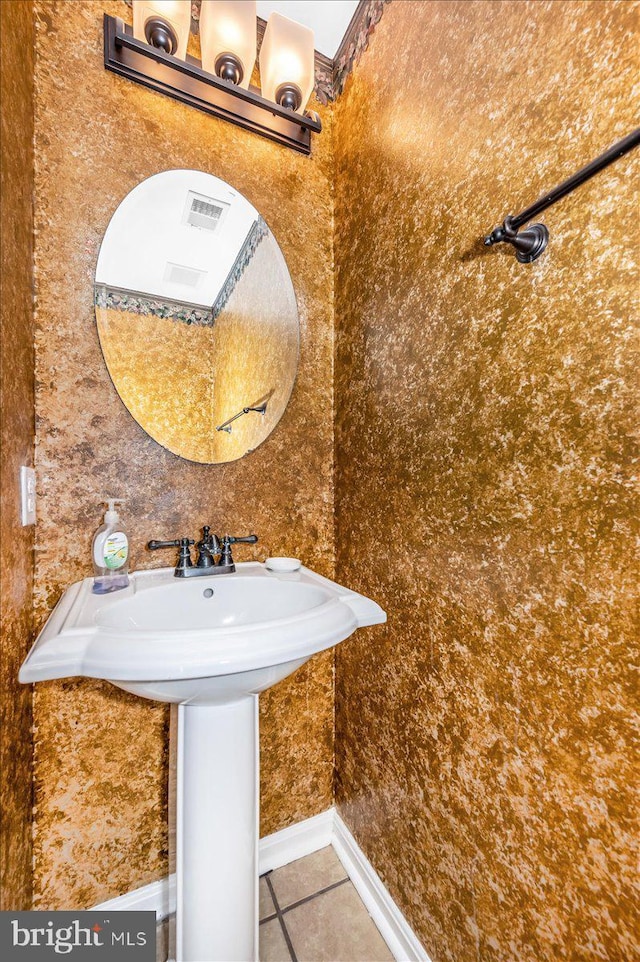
x=228, y=27
x=287, y=59
x=175, y=13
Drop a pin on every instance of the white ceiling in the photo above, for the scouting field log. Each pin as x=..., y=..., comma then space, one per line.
x=328, y=19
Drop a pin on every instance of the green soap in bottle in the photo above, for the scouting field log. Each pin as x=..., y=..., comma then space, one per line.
x=110, y=552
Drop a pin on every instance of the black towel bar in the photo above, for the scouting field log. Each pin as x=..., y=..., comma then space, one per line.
x=530, y=243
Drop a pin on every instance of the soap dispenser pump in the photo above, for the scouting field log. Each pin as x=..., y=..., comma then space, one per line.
x=110, y=552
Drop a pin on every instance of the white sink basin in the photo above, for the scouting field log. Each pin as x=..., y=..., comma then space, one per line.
x=197, y=640
x=187, y=605
x=211, y=644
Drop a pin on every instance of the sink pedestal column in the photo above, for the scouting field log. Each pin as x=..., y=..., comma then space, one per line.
x=217, y=832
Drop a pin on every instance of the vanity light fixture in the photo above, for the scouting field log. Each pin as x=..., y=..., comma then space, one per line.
x=228, y=39
x=154, y=54
x=163, y=24
x=287, y=64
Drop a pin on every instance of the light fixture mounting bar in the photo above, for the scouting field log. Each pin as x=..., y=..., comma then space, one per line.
x=187, y=82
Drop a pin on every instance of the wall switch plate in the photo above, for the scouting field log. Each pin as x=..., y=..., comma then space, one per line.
x=28, y=495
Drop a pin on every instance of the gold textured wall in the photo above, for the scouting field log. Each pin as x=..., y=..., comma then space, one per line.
x=16, y=561
x=100, y=755
x=155, y=364
x=256, y=352
x=484, y=487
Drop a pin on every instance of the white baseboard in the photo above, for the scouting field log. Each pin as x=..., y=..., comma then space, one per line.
x=286, y=846
x=296, y=841
x=158, y=897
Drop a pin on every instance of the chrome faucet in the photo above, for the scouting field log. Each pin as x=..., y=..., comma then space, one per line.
x=209, y=548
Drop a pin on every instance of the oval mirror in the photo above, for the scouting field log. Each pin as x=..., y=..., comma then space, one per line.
x=197, y=316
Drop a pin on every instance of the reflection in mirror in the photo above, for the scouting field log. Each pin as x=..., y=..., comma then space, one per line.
x=197, y=316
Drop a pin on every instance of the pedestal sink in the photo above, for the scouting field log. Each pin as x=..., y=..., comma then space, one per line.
x=211, y=645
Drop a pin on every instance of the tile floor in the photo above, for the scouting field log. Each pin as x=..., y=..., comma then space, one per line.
x=310, y=912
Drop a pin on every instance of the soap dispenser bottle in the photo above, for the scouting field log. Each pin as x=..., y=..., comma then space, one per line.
x=110, y=552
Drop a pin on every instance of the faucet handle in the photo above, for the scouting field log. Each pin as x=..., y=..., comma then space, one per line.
x=228, y=540
x=184, y=561
x=178, y=543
